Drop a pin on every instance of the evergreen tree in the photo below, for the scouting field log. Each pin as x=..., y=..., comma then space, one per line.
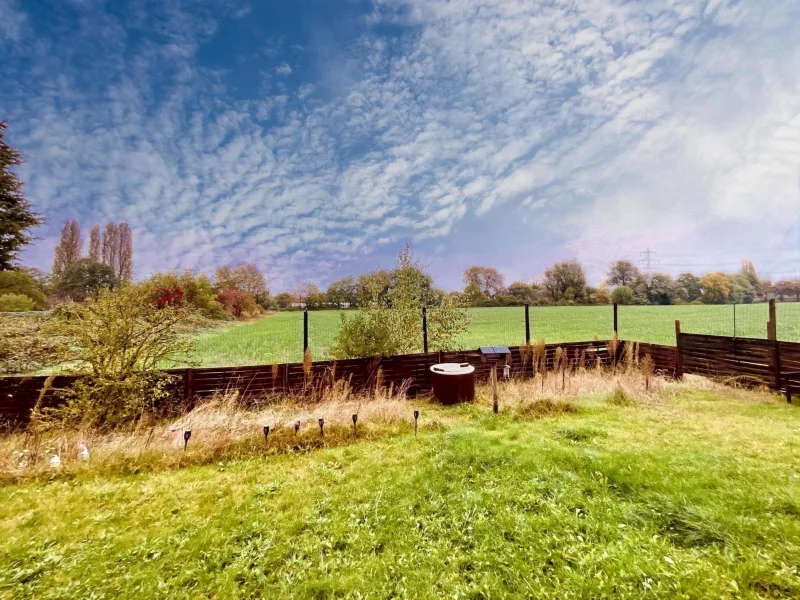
x=16, y=214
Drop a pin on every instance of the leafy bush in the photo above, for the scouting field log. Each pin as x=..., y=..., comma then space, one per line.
x=17, y=281
x=15, y=303
x=392, y=324
x=84, y=278
x=120, y=341
x=239, y=304
x=622, y=294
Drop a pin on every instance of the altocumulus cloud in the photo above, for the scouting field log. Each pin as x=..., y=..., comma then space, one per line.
x=605, y=125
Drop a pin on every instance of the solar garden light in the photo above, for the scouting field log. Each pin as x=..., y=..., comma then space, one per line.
x=266, y=434
x=416, y=416
x=186, y=435
x=296, y=427
x=355, y=420
x=321, y=426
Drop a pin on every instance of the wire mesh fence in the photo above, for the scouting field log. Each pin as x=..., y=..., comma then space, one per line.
x=281, y=337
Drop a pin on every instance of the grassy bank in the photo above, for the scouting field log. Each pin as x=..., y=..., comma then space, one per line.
x=690, y=491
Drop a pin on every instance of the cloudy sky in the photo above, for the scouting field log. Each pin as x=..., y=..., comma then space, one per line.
x=314, y=137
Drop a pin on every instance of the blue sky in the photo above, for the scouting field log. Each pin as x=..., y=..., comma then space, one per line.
x=315, y=137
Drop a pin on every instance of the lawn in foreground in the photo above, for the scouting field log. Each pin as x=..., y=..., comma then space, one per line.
x=693, y=495
x=279, y=337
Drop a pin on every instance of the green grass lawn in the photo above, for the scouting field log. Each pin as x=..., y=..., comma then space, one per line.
x=279, y=338
x=693, y=495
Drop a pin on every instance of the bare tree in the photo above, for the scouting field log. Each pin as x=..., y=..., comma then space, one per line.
x=95, y=244
x=69, y=248
x=124, y=267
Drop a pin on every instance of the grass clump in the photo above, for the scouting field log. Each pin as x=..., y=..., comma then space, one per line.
x=619, y=397
x=545, y=407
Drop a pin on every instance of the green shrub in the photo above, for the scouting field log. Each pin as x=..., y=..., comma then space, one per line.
x=120, y=342
x=15, y=303
x=18, y=281
x=393, y=324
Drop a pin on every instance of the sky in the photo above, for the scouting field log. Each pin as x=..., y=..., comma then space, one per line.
x=315, y=137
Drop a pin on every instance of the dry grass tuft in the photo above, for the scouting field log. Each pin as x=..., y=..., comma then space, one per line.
x=222, y=428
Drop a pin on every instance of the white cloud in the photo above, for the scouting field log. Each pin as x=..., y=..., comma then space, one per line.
x=617, y=124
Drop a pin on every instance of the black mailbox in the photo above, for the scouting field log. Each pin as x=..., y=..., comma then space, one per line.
x=495, y=354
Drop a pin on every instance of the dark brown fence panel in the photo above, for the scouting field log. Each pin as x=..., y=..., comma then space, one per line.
x=718, y=356
x=664, y=359
x=18, y=395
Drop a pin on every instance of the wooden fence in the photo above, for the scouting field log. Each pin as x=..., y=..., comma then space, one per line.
x=18, y=395
x=765, y=362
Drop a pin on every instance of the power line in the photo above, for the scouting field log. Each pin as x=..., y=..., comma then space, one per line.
x=648, y=261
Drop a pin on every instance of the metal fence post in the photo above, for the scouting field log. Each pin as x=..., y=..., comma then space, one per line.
x=615, y=320
x=425, y=330
x=305, y=330
x=527, y=324
x=678, y=358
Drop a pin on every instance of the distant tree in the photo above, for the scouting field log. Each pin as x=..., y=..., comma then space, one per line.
x=787, y=288
x=110, y=246
x=742, y=290
x=16, y=214
x=95, y=244
x=622, y=272
x=21, y=282
x=373, y=287
x=598, y=295
x=748, y=269
x=69, y=247
x=688, y=288
x=623, y=295
x=473, y=295
x=124, y=267
x=239, y=304
x=343, y=291
x=522, y=292
x=84, y=279
x=244, y=277
x=307, y=293
x=488, y=279
x=716, y=288
x=284, y=300
x=565, y=280
x=659, y=288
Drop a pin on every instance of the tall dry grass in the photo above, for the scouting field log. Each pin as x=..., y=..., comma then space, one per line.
x=226, y=428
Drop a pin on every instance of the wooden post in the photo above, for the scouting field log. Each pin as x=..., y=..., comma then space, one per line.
x=616, y=330
x=527, y=324
x=424, y=330
x=678, y=359
x=188, y=384
x=772, y=324
x=776, y=365
x=495, y=404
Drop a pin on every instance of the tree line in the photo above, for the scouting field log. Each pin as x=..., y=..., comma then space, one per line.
x=242, y=290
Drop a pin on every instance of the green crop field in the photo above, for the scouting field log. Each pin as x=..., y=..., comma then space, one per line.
x=691, y=494
x=279, y=338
